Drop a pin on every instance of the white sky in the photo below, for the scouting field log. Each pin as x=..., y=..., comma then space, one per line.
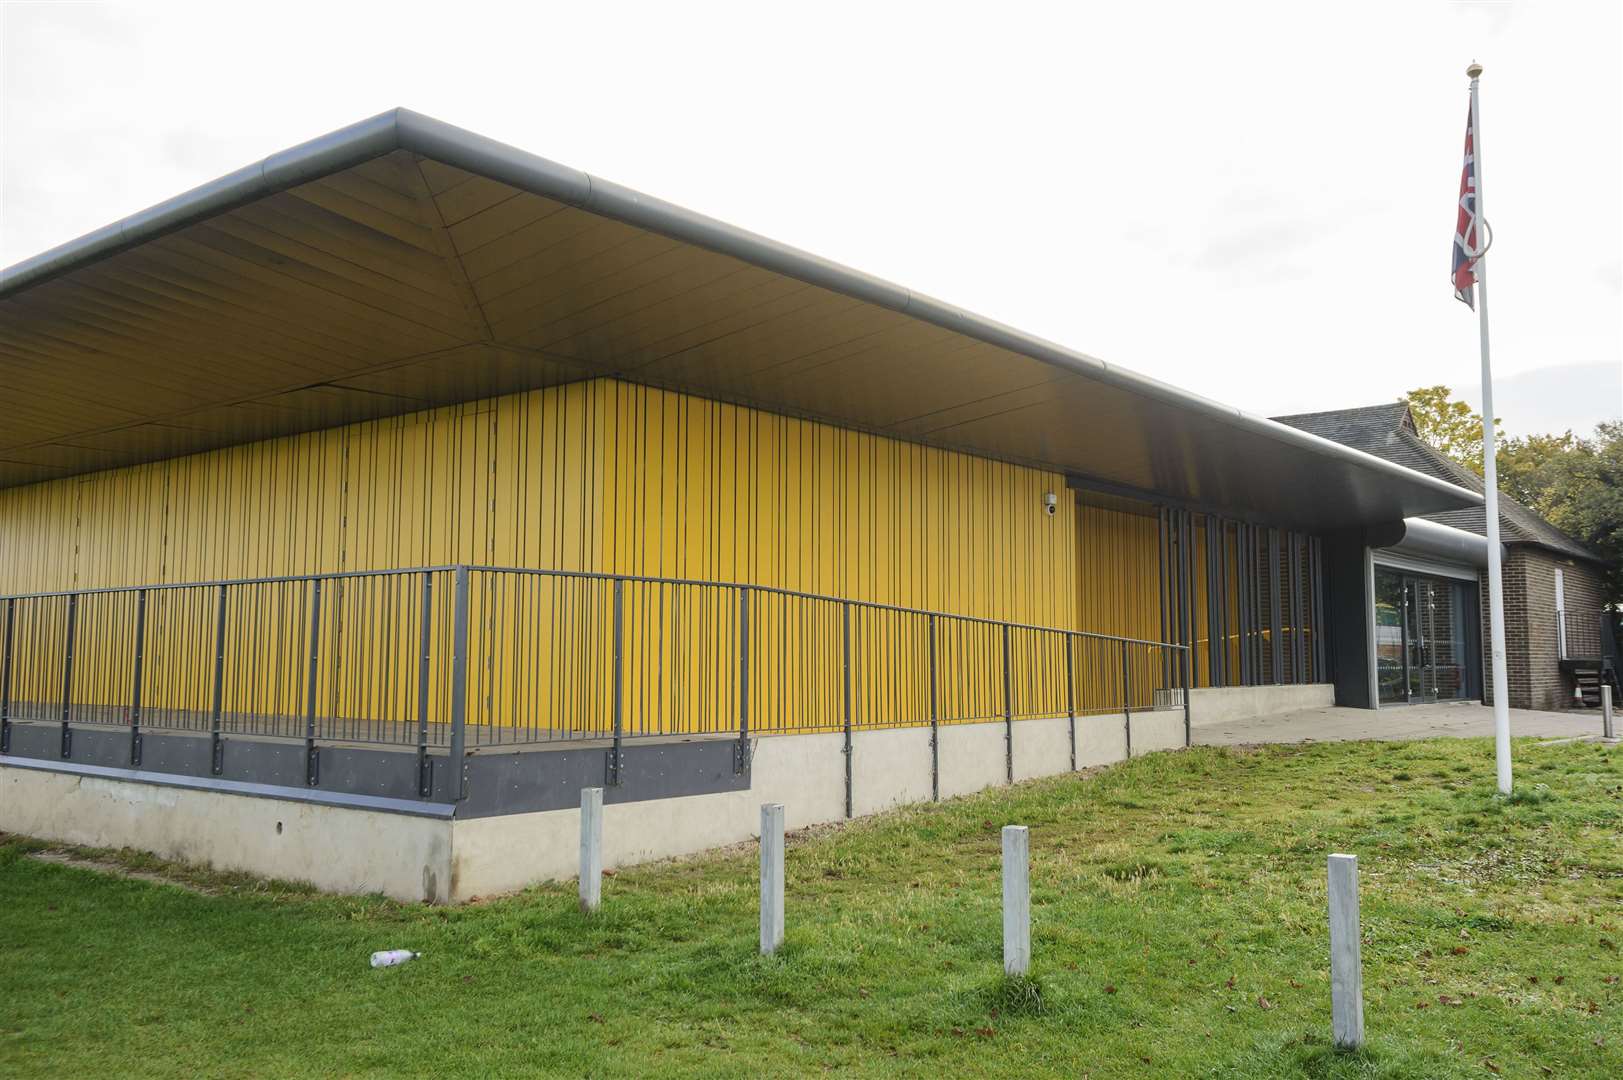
x=1253, y=201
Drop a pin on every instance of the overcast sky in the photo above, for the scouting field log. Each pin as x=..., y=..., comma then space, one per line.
x=1250, y=200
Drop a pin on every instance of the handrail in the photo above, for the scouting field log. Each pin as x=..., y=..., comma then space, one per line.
x=455, y=657
x=593, y=575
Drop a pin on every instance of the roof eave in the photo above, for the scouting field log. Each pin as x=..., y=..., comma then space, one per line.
x=402, y=129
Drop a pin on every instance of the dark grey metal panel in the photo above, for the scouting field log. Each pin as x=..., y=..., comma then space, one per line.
x=516, y=782
x=375, y=773
x=528, y=781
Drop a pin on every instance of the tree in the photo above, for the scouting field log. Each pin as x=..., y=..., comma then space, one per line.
x=1528, y=466
x=1575, y=484
x=1448, y=425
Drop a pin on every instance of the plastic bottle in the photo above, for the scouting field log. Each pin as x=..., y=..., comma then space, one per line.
x=392, y=957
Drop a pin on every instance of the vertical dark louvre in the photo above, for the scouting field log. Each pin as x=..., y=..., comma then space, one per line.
x=1293, y=612
x=1320, y=647
x=1275, y=592
x=1164, y=580
x=1186, y=569
x=1211, y=601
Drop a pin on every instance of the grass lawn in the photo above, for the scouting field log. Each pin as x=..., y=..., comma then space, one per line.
x=1179, y=929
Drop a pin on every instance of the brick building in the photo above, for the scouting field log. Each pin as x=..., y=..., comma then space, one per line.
x=1557, y=634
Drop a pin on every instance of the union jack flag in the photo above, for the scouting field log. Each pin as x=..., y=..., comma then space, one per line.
x=1466, y=236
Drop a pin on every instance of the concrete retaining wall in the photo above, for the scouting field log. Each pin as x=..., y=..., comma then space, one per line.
x=1220, y=704
x=340, y=849
x=350, y=850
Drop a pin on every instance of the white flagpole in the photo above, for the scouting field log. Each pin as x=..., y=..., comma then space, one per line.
x=1490, y=471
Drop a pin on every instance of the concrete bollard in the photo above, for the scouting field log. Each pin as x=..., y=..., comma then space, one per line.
x=1346, y=963
x=591, y=848
x=771, y=877
x=1606, y=729
x=1016, y=900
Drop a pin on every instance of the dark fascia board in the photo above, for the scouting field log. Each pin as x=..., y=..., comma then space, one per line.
x=402, y=129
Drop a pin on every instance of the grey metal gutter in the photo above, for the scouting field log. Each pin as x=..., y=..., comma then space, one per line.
x=402, y=129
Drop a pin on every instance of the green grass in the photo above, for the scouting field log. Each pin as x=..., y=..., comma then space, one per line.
x=1179, y=930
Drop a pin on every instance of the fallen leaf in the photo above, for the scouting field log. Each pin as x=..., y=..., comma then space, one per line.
x=985, y=1032
x=1264, y=1004
x=1230, y=983
x=1459, y=950
x=594, y=1018
x=1110, y=989
x=958, y=1032
x=1533, y=979
x=1444, y=999
x=862, y=990
x=1295, y=985
x=1559, y=979
x=1422, y=1004
x=1490, y=1066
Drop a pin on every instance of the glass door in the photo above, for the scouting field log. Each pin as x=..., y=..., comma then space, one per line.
x=1422, y=643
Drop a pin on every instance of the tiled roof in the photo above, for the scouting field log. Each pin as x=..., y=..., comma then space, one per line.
x=1388, y=431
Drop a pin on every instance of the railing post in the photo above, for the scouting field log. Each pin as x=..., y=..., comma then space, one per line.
x=140, y=663
x=1008, y=709
x=5, y=679
x=935, y=723
x=67, y=677
x=459, y=685
x=1188, y=692
x=1127, y=700
x=1070, y=690
x=845, y=711
x=312, y=770
x=425, y=648
x=615, y=753
x=741, y=755
x=217, y=705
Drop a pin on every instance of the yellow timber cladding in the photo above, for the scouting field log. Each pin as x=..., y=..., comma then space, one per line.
x=594, y=476
x=603, y=477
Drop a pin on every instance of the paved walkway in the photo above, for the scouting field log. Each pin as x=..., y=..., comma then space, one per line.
x=1333, y=724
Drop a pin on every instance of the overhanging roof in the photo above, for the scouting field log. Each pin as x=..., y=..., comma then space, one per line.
x=401, y=263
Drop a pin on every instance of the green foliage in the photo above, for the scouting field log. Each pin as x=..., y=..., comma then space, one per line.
x=1178, y=922
x=1448, y=425
x=1576, y=485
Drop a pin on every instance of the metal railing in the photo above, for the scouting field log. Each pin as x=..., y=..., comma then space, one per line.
x=1585, y=635
x=451, y=658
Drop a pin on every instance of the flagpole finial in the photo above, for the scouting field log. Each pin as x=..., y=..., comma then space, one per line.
x=1475, y=70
